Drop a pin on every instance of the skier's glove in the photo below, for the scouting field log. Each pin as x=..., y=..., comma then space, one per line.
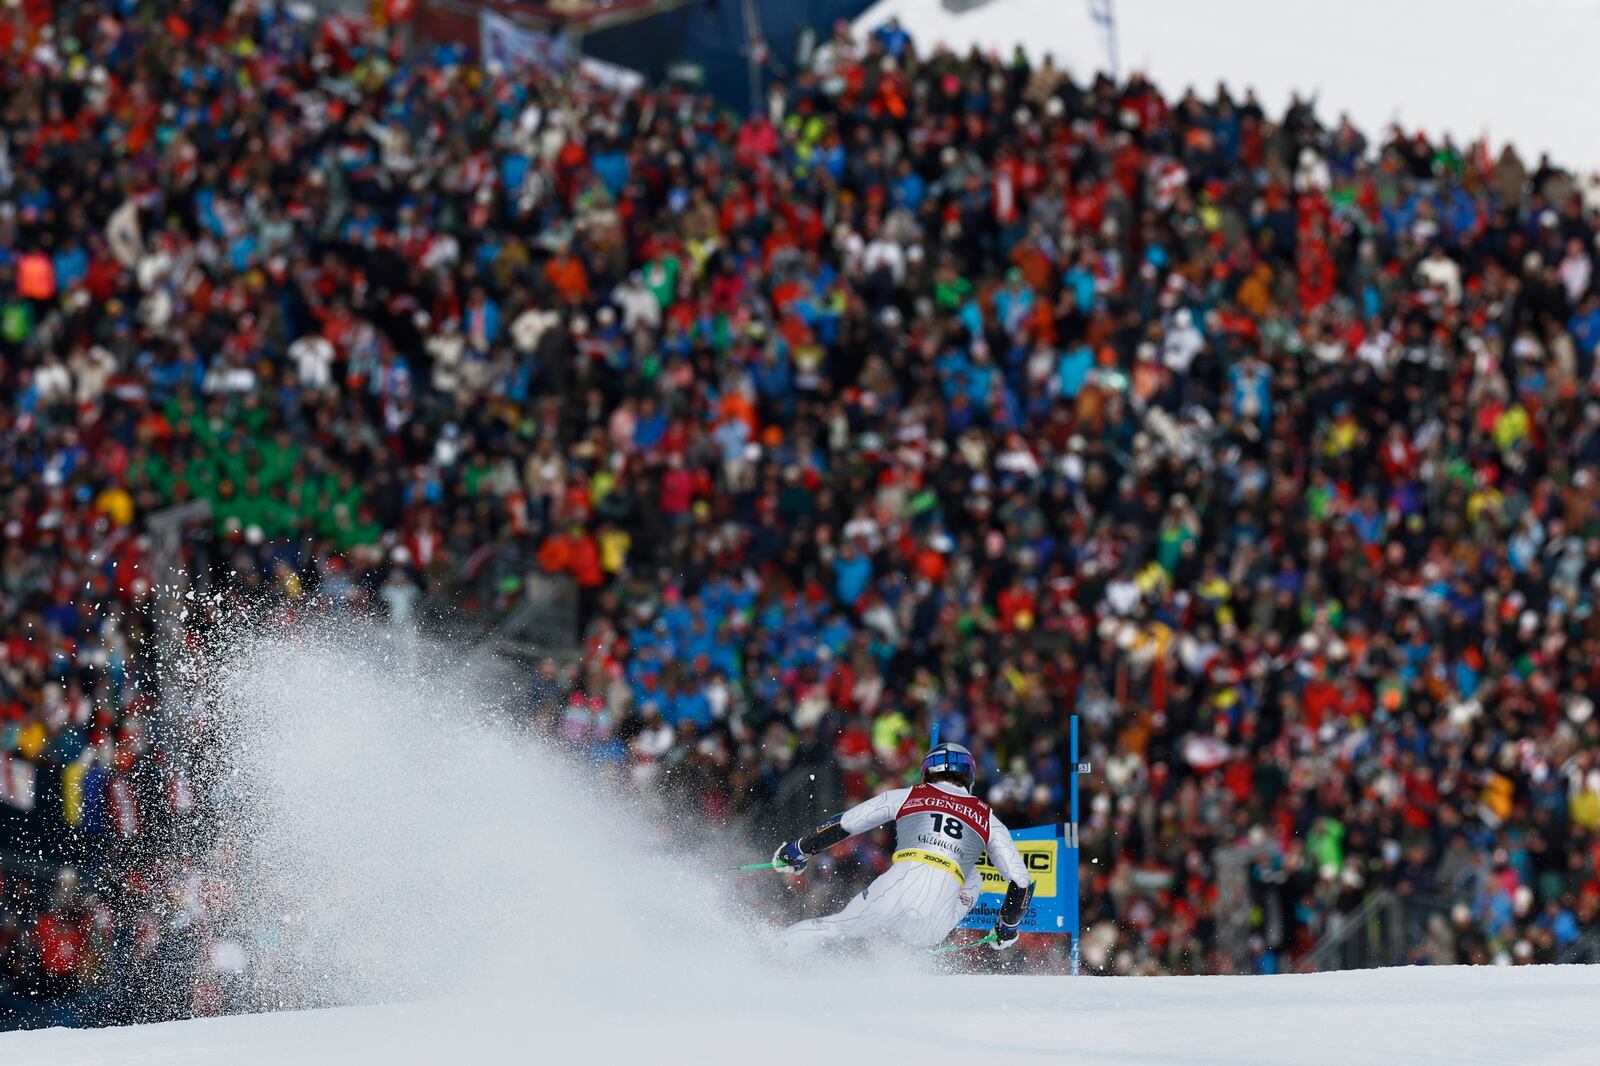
x=789, y=859
x=1005, y=936
x=1012, y=911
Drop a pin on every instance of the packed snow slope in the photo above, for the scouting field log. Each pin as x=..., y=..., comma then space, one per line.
x=1452, y=1015
x=1521, y=72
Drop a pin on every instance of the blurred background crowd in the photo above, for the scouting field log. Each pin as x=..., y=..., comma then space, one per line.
x=944, y=390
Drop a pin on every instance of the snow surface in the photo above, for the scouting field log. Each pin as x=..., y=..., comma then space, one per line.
x=1522, y=71
x=1454, y=1015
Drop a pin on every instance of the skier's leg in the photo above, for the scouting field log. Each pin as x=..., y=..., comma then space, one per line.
x=865, y=916
x=961, y=904
x=929, y=905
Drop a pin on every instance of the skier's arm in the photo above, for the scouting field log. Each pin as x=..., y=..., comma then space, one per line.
x=791, y=857
x=1003, y=856
x=971, y=889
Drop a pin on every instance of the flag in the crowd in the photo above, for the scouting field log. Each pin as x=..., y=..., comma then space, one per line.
x=510, y=45
x=94, y=799
x=72, y=792
x=123, y=235
x=124, y=807
x=617, y=78
x=16, y=782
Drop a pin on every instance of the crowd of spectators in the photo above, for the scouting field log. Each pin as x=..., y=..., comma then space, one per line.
x=945, y=390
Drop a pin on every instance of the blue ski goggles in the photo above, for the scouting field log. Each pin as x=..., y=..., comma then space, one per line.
x=949, y=762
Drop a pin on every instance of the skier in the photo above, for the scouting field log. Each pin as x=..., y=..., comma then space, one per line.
x=940, y=832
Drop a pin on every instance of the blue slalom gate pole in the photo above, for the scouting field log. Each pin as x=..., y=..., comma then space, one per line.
x=1072, y=842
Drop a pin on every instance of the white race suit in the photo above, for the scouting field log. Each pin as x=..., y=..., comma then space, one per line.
x=941, y=831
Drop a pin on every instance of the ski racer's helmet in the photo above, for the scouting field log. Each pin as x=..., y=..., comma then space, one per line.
x=952, y=763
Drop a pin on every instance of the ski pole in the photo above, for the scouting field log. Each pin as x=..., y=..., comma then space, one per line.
x=962, y=947
x=756, y=866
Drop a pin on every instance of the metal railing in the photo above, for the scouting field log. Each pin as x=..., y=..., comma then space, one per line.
x=166, y=529
x=1585, y=949
x=498, y=588
x=812, y=790
x=544, y=621
x=1371, y=935
x=1382, y=931
x=1234, y=909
